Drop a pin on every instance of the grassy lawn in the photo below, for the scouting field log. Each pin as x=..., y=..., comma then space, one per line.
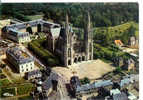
x=118, y=32
x=24, y=89
x=117, y=29
x=4, y=82
x=34, y=17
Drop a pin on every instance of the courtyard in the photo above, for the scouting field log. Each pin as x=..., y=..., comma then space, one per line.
x=92, y=69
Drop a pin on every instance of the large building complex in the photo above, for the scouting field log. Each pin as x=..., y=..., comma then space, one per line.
x=20, y=32
x=61, y=40
x=20, y=59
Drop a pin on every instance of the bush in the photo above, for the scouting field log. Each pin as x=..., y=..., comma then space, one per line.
x=85, y=80
x=118, y=70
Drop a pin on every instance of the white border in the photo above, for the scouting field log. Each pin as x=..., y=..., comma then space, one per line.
x=122, y=1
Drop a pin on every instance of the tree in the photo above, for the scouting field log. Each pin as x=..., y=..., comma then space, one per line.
x=85, y=80
x=3, y=65
x=132, y=30
x=118, y=69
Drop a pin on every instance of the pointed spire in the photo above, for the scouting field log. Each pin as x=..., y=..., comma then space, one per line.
x=88, y=18
x=67, y=20
x=67, y=24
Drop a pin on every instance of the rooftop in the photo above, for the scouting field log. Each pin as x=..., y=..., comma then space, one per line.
x=125, y=81
x=19, y=55
x=120, y=96
x=94, y=85
x=34, y=72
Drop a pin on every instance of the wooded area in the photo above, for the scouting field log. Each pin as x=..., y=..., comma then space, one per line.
x=103, y=14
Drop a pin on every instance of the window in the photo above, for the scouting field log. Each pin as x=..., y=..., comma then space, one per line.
x=69, y=52
x=26, y=69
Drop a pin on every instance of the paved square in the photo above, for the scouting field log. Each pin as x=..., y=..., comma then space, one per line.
x=91, y=69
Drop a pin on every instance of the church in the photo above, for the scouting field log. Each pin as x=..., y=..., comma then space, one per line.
x=68, y=46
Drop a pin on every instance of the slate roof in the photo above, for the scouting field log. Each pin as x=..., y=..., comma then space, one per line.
x=125, y=81
x=18, y=56
x=120, y=96
x=48, y=83
x=94, y=85
x=55, y=28
x=14, y=32
x=34, y=72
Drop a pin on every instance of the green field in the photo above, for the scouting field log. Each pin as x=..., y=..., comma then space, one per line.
x=118, y=30
x=35, y=17
x=4, y=82
x=106, y=35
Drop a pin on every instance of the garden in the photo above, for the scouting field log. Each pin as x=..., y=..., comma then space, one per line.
x=47, y=57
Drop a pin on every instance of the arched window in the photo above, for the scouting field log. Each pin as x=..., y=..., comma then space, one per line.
x=69, y=52
x=29, y=29
x=39, y=28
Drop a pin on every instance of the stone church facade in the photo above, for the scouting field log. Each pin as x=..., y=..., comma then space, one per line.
x=69, y=47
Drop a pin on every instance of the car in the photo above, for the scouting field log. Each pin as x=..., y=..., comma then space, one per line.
x=8, y=94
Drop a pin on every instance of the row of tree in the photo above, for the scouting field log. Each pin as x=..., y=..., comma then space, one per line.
x=103, y=14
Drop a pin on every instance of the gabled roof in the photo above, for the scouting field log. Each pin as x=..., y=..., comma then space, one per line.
x=120, y=96
x=94, y=85
x=125, y=81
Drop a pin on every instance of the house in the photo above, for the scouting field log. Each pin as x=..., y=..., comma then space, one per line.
x=47, y=85
x=33, y=74
x=90, y=88
x=125, y=83
x=132, y=41
x=116, y=94
x=129, y=64
x=118, y=43
x=120, y=96
x=132, y=97
x=21, y=60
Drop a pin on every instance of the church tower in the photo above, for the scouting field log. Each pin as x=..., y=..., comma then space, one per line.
x=88, y=37
x=67, y=44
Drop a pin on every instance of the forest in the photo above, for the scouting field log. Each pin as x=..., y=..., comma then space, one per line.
x=102, y=14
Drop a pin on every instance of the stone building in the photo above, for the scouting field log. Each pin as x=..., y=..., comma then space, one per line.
x=20, y=32
x=68, y=46
x=20, y=59
x=133, y=41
